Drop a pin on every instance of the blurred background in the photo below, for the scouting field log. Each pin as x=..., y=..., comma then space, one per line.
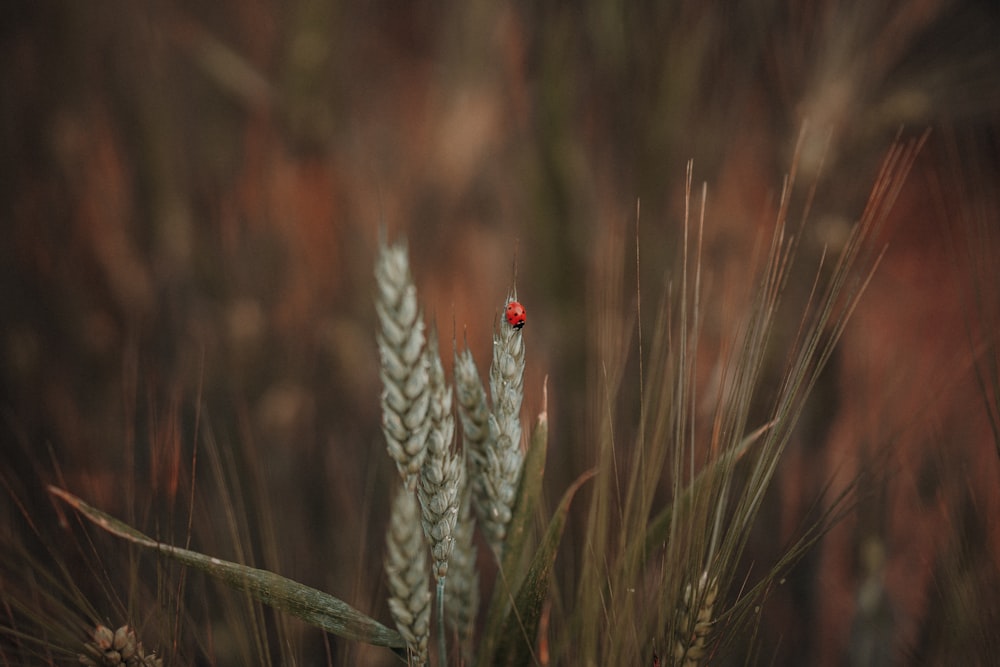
x=191, y=196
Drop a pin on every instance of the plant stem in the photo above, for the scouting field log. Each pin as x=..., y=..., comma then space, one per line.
x=442, y=648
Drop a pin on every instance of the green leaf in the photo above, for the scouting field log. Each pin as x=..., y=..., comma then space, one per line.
x=521, y=626
x=313, y=606
x=529, y=491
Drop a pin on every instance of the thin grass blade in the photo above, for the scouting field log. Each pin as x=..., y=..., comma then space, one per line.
x=659, y=527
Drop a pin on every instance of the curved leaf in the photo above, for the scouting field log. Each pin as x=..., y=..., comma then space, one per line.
x=313, y=606
x=521, y=627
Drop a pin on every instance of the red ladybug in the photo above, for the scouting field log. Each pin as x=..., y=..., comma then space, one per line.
x=515, y=314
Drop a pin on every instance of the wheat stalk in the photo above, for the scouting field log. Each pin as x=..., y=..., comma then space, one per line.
x=439, y=479
x=406, y=391
x=406, y=569
x=420, y=432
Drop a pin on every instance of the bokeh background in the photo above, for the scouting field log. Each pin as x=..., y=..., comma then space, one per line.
x=191, y=195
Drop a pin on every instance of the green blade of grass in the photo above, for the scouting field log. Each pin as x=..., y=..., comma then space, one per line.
x=313, y=606
x=521, y=626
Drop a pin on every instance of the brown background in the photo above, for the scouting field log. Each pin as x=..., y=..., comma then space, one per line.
x=192, y=193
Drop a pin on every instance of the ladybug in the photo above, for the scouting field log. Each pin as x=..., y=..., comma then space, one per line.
x=515, y=314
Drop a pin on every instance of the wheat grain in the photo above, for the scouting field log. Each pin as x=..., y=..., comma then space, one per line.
x=406, y=570
x=405, y=394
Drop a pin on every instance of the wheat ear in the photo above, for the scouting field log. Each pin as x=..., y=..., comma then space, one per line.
x=116, y=647
x=439, y=479
x=504, y=459
x=695, y=622
x=462, y=601
x=405, y=393
x=474, y=414
x=406, y=569
x=439, y=476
